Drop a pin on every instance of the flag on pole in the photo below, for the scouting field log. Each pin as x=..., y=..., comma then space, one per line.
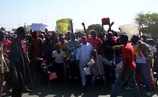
x=63, y=25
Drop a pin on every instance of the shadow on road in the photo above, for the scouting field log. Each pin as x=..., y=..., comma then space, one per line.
x=76, y=90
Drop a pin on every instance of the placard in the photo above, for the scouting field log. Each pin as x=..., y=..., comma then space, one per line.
x=38, y=26
x=52, y=76
x=63, y=25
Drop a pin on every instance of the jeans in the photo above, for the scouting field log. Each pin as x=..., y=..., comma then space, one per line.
x=111, y=75
x=130, y=76
x=144, y=70
x=118, y=59
x=92, y=81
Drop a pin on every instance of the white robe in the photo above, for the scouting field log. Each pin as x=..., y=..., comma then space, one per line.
x=83, y=54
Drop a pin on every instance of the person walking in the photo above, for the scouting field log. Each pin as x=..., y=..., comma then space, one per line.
x=18, y=64
x=3, y=65
x=82, y=55
x=128, y=68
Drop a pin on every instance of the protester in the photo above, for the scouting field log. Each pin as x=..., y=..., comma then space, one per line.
x=97, y=68
x=109, y=54
x=82, y=55
x=48, y=52
x=129, y=66
x=19, y=65
x=72, y=46
x=95, y=41
x=59, y=56
x=54, y=38
x=3, y=64
x=36, y=45
x=6, y=46
x=63, y=45
x=77, y=56
x=143, y=55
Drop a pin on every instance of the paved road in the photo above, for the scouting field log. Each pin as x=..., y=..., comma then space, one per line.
x=76, y=90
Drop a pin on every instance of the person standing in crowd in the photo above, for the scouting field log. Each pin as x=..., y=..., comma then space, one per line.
x=63, y=43
x=109, y=54
x=36, y=45
x=36, y=48
x=6, y=46
x=3, y=64
x=18, y=64
x=48, y=52
x=95, y=41
x=68, y=36
x=82, y=55
x=72, y=46
x=143, y=56
x=59, y=56
x=128, y=68
x=101, y=35
x=151, y=43
x=28, y=44
x=97, y=69
x=47, y=35
x=54, y=38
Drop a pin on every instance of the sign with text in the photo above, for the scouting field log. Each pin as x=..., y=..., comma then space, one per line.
x=38, y=26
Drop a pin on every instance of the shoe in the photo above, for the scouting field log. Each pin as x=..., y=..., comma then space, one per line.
x=128, y=88
x=148, y=94
x=83, y=84
x=3, y=94
x=27, y=90
x=112, y=87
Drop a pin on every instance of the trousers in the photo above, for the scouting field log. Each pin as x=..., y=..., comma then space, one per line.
x=1, y=83
x=130, y=76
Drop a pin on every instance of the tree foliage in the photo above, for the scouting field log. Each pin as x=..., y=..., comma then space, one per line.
x=147, y=22
x=96, y=27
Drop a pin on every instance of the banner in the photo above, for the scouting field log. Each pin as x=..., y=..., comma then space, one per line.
x=63, y=25
x=38, y=26
x=129, y=29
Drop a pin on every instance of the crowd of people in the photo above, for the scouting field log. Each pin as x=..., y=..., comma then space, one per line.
x=30, y=59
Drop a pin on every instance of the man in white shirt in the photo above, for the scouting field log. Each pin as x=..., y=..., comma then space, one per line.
x=59, y=56
x=82, y=55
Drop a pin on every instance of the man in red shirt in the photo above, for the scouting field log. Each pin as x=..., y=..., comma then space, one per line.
x=6, y=47
x=128, y=68
x=95, y=41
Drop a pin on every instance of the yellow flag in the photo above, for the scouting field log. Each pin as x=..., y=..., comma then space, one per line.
x=137, y=52
x=62, y=25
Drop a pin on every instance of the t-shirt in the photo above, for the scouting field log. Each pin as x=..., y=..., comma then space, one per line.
x=128, y=52
x=96, y=43
x=6, y=47
x=23, y=45
x=139, y=56
x=37, y=47
x=59, y=57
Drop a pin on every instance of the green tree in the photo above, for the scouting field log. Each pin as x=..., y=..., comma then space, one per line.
x=96, y=27
x=146, y=21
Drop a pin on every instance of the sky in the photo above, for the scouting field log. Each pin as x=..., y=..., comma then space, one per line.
x=14, y=13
